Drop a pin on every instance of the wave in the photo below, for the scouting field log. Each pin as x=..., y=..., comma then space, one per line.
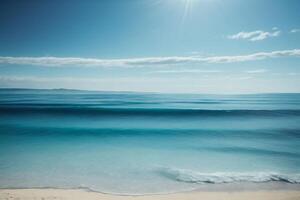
x=189, y=176
x=101, y=111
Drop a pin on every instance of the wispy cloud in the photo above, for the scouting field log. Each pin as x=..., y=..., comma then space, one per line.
x=244, y=78
x=296, y=30
x=256, y=71
x=255, y=35
x=45, y=79
x=185, y=71
x=293, y=74
x=147, y=61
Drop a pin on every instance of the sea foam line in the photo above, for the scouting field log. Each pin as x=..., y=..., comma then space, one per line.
x=189, y=176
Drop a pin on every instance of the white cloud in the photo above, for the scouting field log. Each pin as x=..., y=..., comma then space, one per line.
x=195, y=52
x=255, y=35
x=295, y=30
x=185, y=71
x=293, y=74
x=245, y=78
x=45, y=79
x=256, y=71
x=142, y=62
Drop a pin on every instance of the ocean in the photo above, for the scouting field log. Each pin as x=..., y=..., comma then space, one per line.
x=146, y=143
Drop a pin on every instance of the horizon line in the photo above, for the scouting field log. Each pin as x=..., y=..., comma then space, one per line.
x=150, y=92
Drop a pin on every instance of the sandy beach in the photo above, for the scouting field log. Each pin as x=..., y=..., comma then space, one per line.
x=63, y=194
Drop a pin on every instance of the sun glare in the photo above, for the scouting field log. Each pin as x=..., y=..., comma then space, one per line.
x=188, y=4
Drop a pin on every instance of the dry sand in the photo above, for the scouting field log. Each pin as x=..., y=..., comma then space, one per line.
x=70, y=194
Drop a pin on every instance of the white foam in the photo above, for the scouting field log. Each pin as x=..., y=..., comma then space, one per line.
x=189, y=176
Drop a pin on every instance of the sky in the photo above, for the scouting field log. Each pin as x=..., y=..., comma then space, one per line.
x=169, y=46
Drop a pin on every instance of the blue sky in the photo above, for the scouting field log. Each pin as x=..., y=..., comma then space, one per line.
x=193, y=46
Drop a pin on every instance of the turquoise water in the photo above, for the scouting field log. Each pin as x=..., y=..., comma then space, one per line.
x=138, y=143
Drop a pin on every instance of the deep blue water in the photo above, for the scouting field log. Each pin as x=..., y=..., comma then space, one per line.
x=137, y=143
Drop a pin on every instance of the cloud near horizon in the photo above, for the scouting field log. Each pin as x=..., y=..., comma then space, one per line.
x=146, y=61
x=255, y=35
x=296, y=30
x=180, y=71
x=256, y=71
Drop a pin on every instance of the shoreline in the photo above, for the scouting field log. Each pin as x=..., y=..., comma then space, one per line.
x=79, y=194
x=222, y=187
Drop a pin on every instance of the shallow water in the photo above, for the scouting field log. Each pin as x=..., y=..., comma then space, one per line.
x=137, y=143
